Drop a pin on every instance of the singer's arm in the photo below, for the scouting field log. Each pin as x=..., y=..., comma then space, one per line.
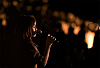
x=44, y=58
x=49, y=42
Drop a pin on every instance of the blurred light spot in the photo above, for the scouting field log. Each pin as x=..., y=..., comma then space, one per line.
x=15, y=3
x=93, y=26
x=99, y=27
x=4, y=22
x=62, y=15
x=56, y=14
x=87, y=23
x=73, y=25
x=31, y=1
x=44, y=7
x=71, y=17
x=76, y=30
x=38, y=8
x=5, y=3
x=89, y=39
x=48, y=34
x=78, y=21
x=65, y=27
x=3, y=16
x=45, y=1
x=29, y=8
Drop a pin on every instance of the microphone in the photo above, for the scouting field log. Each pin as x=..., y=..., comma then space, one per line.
x=40, y=32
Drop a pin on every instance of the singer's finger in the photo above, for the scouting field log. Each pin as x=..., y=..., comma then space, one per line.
x=55, y=39
x=51, y=36
x=48, y=34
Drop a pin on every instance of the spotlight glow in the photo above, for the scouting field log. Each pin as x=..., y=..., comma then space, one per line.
x=65, y=27
x=89, y=39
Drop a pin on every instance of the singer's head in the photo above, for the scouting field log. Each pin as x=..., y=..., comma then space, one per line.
x=30, y=27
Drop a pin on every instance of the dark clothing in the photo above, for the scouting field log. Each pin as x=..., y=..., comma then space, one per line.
x=27, y=56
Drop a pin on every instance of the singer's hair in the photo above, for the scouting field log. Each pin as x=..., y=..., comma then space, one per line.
x=28, y=22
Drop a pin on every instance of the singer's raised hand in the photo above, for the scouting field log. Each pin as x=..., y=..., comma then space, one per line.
x=50, y=39
x=49, y=42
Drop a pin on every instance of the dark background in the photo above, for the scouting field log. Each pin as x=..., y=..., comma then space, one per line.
x=86, y=10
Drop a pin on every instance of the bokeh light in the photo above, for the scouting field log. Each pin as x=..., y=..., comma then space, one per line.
x=56, y=13
x=44, y=7
x=29, y=8
x=3, y=16
x=65, y=27
x=5, y=3
x=87, y=22
x=93, y=26
x=4, y=22
x=45, y=1
x=71, y=17
x=89, y=39
x=62, y=15
x=76, y=30
x=15, y=3
x=78, y=21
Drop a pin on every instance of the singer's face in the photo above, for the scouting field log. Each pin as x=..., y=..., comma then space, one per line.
x=34, y=28
x=38, y=36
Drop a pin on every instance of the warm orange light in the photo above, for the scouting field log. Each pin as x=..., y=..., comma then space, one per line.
x=76, y=30
x=73, y=25
x=3, y=16
x=87, y=23
x=65, y=27
x=45, y=1
x=4, y=22
x=29, y=8
x=78, y=21
x=71, y=17
x=15, y=3
x=62, y=15
x=44, y=7
x=56, y=13
x=5, y=3
x=89, y=39
x=93, y=26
